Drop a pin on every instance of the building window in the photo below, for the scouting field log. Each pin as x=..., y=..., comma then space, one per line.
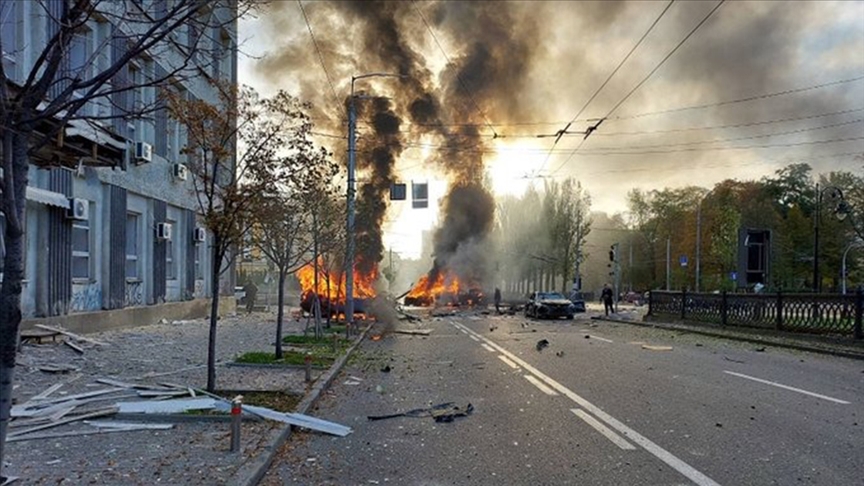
x=199, y=258
x=9, y=20
x=132, y=261
x=81, y=249
x=170, y=261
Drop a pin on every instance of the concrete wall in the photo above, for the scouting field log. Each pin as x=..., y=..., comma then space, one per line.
x=90, y=322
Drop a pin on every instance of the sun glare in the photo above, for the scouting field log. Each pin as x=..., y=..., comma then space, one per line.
x=514, y=167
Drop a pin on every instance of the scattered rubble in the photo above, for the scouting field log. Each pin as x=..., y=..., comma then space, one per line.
x=444, y=412
x=542, y=344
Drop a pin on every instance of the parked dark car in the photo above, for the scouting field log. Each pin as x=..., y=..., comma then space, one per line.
x=578, y=301
x=549, y=305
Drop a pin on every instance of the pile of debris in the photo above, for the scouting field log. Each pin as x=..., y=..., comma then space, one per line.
x=118, y=401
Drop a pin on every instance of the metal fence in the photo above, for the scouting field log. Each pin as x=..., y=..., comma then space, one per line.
x=810, y=313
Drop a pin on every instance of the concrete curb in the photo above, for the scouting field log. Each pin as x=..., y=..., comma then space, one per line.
x=740, y=336
x=253, y=470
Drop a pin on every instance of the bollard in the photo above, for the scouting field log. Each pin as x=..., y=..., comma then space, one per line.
x=308, y=361
x=236, y=418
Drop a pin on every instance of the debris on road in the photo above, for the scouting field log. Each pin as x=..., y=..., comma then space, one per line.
x=560, y=354
x=300, y=420
x=656, y=348
x=386, y=369
x=541, y=344
x=727, y=358
x=71, y=334
x=760, y=350
x=442, y=413
x=414, y=332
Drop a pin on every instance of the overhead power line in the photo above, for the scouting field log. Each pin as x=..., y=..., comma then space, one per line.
x=742, y=100
x=561, y=132
x=644, y=80
x=320, y=57
x=458, y=77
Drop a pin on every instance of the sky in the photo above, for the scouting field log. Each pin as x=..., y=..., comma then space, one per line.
x=739, y=93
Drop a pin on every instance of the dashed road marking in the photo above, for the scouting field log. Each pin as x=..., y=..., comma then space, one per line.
x=539, y=384
x=615, y=438
x=507, y=360
x=487, y=347
x=474, y=337
x=786, y=387
x=682, y=467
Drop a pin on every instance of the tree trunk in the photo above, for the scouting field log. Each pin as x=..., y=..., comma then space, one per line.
x=14, y=158
x=280, y=313
x=218, y=255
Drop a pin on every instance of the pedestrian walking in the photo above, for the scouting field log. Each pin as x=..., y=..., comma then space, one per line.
x=497, y=300
x=606, y=297
x=251, y=291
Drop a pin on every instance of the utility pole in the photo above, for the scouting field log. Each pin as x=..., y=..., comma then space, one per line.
x=668, y=264
x=698, y=245
x=816, y=277
x=352, y=149
x=349, y=254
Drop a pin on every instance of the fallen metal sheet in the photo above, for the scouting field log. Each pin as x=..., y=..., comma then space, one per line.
x=167, y=406
x=443, y=412
x=158, y=393
x=27, y=409
x=97, y=413
x=299, y=420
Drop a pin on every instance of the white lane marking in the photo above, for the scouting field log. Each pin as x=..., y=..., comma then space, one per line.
x=474, y=337
x=682, y=467
x=507, y=360
x=787, y=387
x=615, y=438
x=488, y=348
x=539, y=384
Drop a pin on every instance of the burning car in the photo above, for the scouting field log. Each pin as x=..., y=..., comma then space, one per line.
x=549, y=305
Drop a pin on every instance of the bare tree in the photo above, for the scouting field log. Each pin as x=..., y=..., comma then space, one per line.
x=230, y=190
x=52, y=88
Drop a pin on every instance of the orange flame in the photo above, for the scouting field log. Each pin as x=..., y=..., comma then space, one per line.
x=446, y=285
x=332, y=285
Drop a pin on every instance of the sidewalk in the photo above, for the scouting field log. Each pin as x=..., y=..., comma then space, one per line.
x=837, y=346
x=196, y=450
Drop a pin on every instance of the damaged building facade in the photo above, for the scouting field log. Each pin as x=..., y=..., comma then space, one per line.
x=114, y=236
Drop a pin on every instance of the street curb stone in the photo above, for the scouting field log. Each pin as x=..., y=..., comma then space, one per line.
x=252, y=472
x=742, y=336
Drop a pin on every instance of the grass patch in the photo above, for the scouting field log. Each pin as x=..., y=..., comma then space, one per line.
x=311, y=340
x=288, y=358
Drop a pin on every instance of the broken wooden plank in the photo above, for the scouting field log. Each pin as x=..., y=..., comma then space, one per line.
x=58, y=435
x=416, y=332
x=98, y=413
x=167, y=406
x=136, y=386
x=70, y=334
x=113, y=424
x=47, y=392
x=75, y=347
x=299, y=420
x=57, y=368
x=156, y=393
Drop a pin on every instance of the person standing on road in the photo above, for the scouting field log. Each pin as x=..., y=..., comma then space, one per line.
x=497, y=300
x=606, y=297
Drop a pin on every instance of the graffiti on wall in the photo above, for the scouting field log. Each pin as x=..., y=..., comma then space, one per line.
x=86, y=298
x=199, y=289
x=134, y=294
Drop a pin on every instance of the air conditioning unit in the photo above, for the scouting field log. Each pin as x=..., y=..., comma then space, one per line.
x=199, y=235
x=163, y=231
x=78, y=209
x=180, y=172
x=143, y=152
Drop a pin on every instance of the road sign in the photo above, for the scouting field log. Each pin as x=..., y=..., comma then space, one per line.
x=683, y=260
x=733, y=276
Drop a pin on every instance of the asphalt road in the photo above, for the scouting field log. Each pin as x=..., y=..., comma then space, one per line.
x=604, y=403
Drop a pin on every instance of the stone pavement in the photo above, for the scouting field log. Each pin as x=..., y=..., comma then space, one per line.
x=195, y=451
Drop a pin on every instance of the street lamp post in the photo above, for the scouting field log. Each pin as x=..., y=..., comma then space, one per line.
x=840, y=210
x=349, y=254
